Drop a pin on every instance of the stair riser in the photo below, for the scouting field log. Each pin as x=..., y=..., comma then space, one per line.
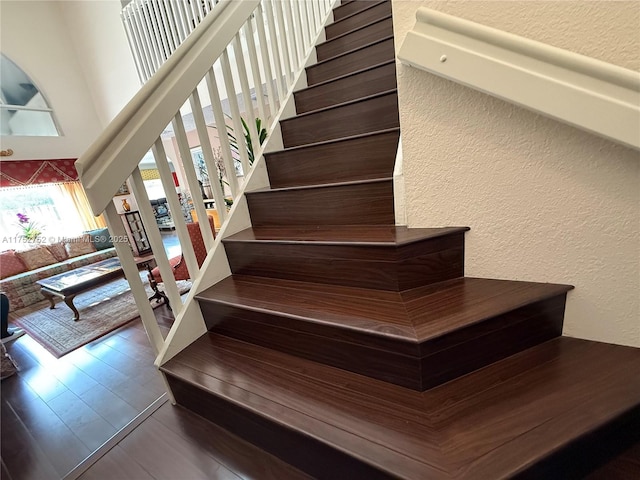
x=262, y=329
x=350, y=160
x=366, y=267
x=356, y=39
x=487, y=342
x=364, y=84
x=301, y=451
x=385, y=359
x=369, y=115
x=380, y=52
x=365, y=17
x=363, y=204
x=349, y=8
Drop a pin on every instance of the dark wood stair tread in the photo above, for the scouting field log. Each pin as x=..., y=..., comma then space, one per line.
x=364, y=235
x=361, y=36
x=371, y=155
x=374, y=11
x=348, y=103
x=350, y=8
x=354, y=85
x=357, y=59
x=493, y=423
x=319, y=186
x=414, y=316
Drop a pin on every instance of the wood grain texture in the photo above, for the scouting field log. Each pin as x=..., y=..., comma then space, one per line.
x=376, y=11
x=360, y=37
x=527, y=411
x=377, y=79
x=372, y=332
x=350, y=8
x=381, y=267
x=371, y=114
x=363, y=235
x=365, y=203
x=56, y=411
x=362, y=157
x=379, y=52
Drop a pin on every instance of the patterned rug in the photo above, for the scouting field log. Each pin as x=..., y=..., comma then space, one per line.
x=102, y=310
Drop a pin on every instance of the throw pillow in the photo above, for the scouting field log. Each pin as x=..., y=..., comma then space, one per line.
x=58, y=251
x=10, y=264
x=79, y=246
x=100, y=238
x=36, y=257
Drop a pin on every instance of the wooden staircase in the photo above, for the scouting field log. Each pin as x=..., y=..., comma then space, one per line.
x=353, y=348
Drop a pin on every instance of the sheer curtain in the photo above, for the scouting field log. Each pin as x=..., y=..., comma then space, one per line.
x=74, y=192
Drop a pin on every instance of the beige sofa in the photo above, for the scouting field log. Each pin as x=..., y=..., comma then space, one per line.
x=20, y=270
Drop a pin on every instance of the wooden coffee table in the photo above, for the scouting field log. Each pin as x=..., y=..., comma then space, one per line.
x=69, y=284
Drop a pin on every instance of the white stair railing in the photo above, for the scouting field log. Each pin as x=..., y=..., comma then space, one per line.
x=242, y=62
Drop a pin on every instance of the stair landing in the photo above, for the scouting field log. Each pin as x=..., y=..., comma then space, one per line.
x=523, y=416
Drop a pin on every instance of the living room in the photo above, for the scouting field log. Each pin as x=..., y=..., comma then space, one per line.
x=111, y=380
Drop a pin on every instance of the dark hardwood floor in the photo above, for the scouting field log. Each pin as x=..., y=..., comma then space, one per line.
x=177, y=444
x=56, y=412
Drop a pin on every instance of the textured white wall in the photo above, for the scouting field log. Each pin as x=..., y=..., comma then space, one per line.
x=545, y=201
x=34, y=35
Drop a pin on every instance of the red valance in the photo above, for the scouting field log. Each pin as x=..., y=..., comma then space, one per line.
x=16, y=173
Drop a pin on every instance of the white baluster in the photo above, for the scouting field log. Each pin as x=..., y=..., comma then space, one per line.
x=221, y=127
x=183, y=19
x=300, y=37
x=255, y=69
x=161, y=38
x=153, y=34
x=207, y=153
x=238, y=130
x=284, y=41
x=274, y=101
x=129, y=267
x=144, y=36
x=274, y=44
x=249, y=112
x=292, y=37
x=155, y=240
x=170, y=26
x=138, y=53
x=174, y=205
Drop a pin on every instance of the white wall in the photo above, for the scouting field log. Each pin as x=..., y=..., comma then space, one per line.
x=100, y=45
x=545, y=201
x=34, y=35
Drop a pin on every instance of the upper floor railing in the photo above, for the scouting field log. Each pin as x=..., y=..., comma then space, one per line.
x=221, y=88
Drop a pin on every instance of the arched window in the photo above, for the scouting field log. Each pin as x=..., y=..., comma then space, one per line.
x=23, y=109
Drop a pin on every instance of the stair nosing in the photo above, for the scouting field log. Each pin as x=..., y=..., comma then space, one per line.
x=343, y=104
x=360, y=27
x=320, y=63
x=415, y=338
x=334, y=140
x=346, y=75
x=360, y=243
x=317, y=321
x=297, y=425
x=373, y=4
x=322, y=185
x=560, y=289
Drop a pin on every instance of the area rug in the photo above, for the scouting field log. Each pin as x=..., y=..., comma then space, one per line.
x=102, y=310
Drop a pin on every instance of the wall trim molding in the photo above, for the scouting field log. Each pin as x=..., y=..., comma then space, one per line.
x=584, y=92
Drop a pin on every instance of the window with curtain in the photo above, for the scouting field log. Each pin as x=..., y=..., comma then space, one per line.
x=57, y=210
